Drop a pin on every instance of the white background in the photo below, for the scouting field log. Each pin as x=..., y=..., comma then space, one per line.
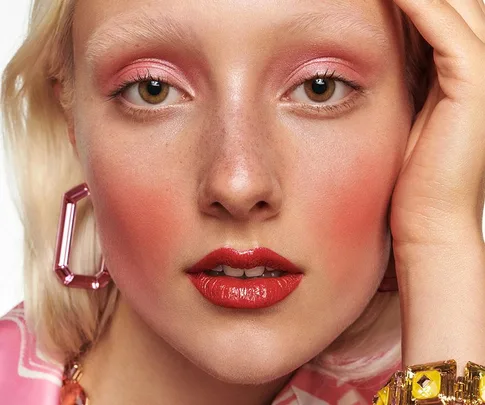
x=13, y=25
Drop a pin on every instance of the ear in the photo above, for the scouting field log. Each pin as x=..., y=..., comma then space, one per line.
x=60, y=93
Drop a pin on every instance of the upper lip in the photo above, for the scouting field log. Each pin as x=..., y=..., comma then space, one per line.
x=244, y=259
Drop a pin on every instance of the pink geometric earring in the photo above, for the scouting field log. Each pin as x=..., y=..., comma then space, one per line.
x=65, y=233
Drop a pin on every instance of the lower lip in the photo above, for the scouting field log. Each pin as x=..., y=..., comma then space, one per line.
x=248, y=293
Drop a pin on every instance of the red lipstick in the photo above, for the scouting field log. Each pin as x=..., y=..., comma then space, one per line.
x=245, y=293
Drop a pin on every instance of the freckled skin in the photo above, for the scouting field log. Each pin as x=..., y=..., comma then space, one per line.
x=169, y=190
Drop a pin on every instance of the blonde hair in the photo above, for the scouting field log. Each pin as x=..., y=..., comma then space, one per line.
x=37, y=146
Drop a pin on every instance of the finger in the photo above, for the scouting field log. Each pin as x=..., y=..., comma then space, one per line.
x=472, y=12
x=442, y=27
x=459, y=54
x=434, y=96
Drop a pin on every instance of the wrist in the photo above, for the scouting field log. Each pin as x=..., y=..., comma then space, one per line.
x=465, y=243
x=442, y=302
x=447, y=231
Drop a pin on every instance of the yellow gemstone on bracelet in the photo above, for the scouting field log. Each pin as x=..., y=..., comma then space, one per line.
x=481, y=388
x=383, y=396
x=426, y=384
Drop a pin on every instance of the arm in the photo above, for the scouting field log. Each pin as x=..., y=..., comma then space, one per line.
x=437, y=207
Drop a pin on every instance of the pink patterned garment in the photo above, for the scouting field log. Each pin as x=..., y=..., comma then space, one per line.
x=27, y=378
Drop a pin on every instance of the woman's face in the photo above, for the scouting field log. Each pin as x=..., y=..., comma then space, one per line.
x=248, y=145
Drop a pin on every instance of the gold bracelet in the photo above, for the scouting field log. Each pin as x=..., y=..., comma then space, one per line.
x=434, y=384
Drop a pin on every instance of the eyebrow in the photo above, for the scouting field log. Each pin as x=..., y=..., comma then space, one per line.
x=129, y=30
x=337, y=23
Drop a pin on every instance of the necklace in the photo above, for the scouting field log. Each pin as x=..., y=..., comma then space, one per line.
x=71, y=392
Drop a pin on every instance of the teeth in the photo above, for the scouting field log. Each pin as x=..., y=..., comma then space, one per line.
x=270, y=272
x=254, y=272
x=229, y=271
x=260, y=271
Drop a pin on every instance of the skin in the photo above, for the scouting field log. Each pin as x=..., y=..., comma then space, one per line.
x=241, y=161
x=437, y=205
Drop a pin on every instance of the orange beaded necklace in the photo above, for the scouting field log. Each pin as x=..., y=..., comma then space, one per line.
x=71, y=392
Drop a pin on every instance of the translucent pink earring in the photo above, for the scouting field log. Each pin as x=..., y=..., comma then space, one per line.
x=65, y=233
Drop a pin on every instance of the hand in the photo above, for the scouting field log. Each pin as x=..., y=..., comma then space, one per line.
x=441, y=182
x=437, y=205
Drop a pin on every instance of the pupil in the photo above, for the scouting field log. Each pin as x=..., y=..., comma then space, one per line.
x=319, y=86
x=154, y=88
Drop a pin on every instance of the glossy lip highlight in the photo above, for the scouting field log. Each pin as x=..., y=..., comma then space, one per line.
x=249, y=293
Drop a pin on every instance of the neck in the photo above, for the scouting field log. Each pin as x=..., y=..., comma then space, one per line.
x=131, y=364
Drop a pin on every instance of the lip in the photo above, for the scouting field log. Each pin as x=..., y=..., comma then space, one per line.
x=250, y=293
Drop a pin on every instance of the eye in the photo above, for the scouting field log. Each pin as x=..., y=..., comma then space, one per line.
x=150, y=93
x=322, y=90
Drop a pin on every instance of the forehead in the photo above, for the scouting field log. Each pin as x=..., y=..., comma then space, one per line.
x=196, y=21
x=99, y=9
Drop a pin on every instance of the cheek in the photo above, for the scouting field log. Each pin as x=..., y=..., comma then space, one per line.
x=358, y=208
x=346, y=200
x=349, y=218
x=139, y=231
x=138, y=203
x=347, y=226
x=139, y=217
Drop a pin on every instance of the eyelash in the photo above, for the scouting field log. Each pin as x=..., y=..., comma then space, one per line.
x=332, y=109
x=135, y=80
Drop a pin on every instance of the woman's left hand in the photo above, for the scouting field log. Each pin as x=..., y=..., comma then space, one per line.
x=437, y=204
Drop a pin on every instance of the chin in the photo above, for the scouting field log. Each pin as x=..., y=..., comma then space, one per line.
x=249, y=373
x=249, y=365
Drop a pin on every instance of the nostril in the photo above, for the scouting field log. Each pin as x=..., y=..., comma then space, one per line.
x=217, y=205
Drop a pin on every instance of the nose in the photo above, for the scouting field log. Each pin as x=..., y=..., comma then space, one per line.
x=239, y=181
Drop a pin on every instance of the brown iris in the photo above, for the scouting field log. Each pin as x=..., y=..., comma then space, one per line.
x=153, y=91
x=319, y=89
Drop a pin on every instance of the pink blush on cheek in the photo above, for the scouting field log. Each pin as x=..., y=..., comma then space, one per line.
x=348, y=224
x=141, y=234
x=360, y=212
